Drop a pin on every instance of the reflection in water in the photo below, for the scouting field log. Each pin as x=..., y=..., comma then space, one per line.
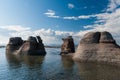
x=17, y=60
x=14, y=61
x=52, y=67
x=67, y=62
x=92, y=71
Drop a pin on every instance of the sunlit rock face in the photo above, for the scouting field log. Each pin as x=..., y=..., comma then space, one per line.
x=31, y=46
x=68, y=45
x=98, y=47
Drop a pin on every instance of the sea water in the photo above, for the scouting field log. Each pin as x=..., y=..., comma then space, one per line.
x=52, y=67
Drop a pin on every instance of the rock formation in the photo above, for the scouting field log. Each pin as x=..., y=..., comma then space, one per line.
x=98, y=47
x=32, y=46
x=68, y=45
x=14, y=43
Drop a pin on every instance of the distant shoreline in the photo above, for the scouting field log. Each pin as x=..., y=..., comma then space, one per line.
x=52, y=46
x=56, y=46
x=2, y=46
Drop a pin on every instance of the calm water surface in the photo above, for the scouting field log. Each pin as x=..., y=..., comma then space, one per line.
x=52, y=67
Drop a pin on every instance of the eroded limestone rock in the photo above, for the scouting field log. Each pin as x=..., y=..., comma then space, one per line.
x=31, y=46
x=68, y=45
x=98, y=47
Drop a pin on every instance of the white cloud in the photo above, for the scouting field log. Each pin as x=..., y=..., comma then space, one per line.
x=51, y=13
x=10, y=31
x=3, y=39
x=14, y=28
x=113, y=5
x=88, y=26
x=85, y=16
x=48, y=36
x=110, y=20
x=71, y=18
x=63, y=33
x=79, y=17
x=70, y=5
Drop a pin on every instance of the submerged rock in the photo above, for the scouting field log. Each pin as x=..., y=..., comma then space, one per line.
x=98, y=47
x=68, y=45
x=31, y=46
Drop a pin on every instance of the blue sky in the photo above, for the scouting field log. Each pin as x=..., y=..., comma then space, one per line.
x=54, y=19
x=31, y=13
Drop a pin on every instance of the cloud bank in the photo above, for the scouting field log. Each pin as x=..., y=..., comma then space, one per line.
x=48, y=36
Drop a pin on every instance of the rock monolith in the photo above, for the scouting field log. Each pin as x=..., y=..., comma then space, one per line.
x=31, y=46
x=68, y=45
x=98, y=47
